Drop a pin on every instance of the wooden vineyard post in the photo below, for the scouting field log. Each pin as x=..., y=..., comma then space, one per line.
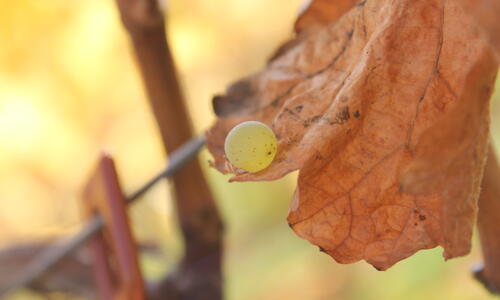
x=114, y=254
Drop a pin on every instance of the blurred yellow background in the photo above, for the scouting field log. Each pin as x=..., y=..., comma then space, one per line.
x=69, y=89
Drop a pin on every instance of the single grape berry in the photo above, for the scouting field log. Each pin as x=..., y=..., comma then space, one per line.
x=250, y=146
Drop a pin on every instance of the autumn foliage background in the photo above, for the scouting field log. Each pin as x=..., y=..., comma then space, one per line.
x=69, y=88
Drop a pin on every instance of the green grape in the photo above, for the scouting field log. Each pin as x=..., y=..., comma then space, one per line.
x=251, y=146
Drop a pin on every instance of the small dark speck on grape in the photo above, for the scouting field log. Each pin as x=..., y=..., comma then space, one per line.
x=269, y=153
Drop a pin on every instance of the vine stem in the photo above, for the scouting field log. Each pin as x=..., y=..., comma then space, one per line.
x=199, y=273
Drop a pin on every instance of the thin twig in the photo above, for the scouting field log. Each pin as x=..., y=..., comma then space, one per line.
x=46, y=260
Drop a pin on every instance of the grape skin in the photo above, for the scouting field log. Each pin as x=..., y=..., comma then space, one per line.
x=250, y=146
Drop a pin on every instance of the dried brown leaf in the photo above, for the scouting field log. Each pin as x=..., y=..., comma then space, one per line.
x=486, y=14
x=385, y=113
x=319, y=13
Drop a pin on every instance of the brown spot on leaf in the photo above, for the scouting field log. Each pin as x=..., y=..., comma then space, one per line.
x=344, y=114
x=307, y=122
